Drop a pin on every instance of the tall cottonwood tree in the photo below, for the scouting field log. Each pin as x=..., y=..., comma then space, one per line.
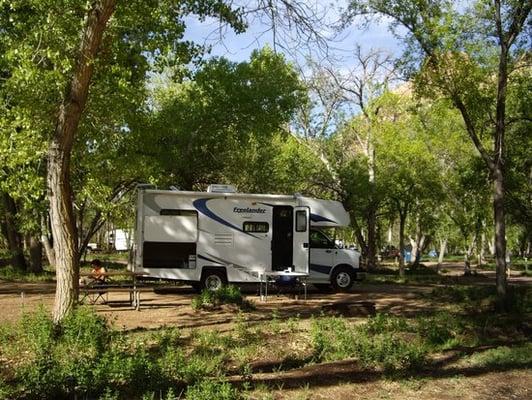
x=368, y=79
x=468, y=55
x=72, y=48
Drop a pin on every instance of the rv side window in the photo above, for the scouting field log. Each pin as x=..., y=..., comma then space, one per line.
x=256, y=227
x=301, y=221
x=171, y=211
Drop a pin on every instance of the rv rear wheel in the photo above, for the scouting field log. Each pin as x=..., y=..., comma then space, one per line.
x=213, y=280
x=342, y=278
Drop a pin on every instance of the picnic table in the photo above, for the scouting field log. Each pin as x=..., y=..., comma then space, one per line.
x=96, y=289
x=269, y=277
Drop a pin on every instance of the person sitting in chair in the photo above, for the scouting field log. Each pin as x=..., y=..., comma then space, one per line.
x=97, y=276
x=98, y=272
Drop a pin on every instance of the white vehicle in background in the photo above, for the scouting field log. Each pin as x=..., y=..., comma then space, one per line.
x=221, y=236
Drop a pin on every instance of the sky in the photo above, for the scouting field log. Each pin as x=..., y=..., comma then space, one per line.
x=239, y=47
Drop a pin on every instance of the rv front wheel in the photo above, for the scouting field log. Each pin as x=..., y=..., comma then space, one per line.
x=213, y=280
x=342, y=278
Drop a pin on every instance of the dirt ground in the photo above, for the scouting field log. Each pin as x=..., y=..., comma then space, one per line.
x=171, y=306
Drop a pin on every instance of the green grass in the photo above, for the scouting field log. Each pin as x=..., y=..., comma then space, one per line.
x=8, y=273
x=479, y=298
x=86, y=356
x=504, y=356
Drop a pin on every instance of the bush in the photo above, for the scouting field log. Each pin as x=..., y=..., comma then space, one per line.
x=378, y=343
x=212, y=390
x=229, y=294
x=441, y=331
x=503, y=356
x=518, y=300
x=81, y=355
x=420, y=269
x=331, y=339
x=9, y=273
x=392, y=353
x=381, y=323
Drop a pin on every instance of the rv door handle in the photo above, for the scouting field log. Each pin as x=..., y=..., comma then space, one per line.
x=328, y=251
x=305, y=245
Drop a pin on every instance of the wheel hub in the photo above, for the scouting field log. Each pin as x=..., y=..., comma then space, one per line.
x=343, y=279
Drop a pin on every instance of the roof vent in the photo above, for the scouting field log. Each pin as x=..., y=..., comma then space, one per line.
x=221, y=189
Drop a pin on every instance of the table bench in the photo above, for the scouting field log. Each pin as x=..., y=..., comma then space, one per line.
x=271, y=277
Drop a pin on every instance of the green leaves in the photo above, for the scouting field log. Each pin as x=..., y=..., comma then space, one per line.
x=222, y=125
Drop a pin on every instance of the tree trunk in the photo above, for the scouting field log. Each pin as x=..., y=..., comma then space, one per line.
x=13, y=236
x=402, y=220
x=63, y=229
x=45, y=239
x=468, y=251
x=372, y=239
x=500, y=232
x=372, y=209
x=481, y=248
x=443, y=248
x=34, y=246
x=59, y=154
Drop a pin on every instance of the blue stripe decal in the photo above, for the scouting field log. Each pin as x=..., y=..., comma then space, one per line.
x=201, y=206
x=322, y=269
x=319, y=218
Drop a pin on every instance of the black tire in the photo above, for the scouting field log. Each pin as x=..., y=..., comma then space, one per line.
x=213, y=280
x=323, y=287
x=343, y=278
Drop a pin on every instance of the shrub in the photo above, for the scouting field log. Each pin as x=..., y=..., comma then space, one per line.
x=229, y=294
x=381, y=323
x=518, y=300
x=376, y=344
x=328, y=336
x=9, y=273
x=442, y=330
x=212, y=390
x=390, y=352
x=420, y=269
x=504, y=356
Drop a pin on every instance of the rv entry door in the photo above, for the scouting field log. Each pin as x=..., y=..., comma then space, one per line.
x=282, y=238
x=301, y=239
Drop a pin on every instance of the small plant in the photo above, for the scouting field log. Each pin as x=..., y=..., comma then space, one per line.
x=109, y=394
x=382, y=323
x=225, y=295
x=212, y=390
x=333, y=339
x=441, y=331
x=515, y=357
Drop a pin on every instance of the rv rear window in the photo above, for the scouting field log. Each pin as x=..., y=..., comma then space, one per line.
x=257, y=227
x=170, y=211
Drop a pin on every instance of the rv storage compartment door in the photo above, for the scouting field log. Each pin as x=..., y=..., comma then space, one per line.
x=170, y=240
x=301, y=239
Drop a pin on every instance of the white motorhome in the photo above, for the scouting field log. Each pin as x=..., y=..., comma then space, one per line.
x=220, y=236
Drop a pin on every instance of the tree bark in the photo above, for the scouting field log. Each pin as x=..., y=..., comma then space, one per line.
x=372, y=239
x=45, y=239
x=13, y=236
x=372, y=208
x=500, y=233
x=34, y=246
x=443, y=248
x=468, y=251
x=59, y=155
x=402, y=220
